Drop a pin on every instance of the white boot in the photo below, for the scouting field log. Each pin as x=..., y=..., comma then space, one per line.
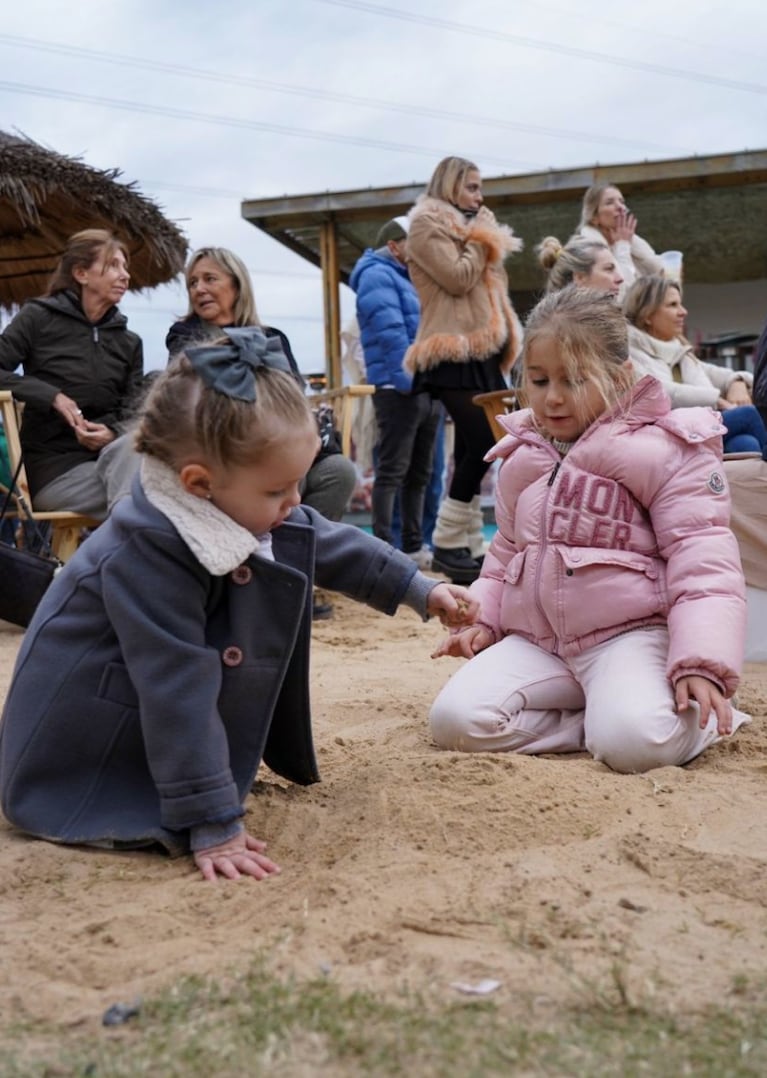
x=451, y=542
x=477, y=529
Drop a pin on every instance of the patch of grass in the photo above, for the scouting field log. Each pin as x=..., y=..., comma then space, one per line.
x=259, y=1024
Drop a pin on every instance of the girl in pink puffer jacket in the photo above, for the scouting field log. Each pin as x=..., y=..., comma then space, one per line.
x=612, y=598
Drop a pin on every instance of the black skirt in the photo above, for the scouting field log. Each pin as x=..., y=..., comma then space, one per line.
x=474, y=375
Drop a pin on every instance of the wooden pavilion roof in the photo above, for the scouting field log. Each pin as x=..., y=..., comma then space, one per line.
x=712, y=208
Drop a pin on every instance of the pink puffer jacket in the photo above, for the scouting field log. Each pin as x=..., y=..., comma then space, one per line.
x=629, y=529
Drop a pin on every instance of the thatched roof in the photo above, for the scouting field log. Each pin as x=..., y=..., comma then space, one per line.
x=45, y=197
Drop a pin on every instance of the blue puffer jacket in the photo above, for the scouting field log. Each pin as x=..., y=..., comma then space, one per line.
x=387, y=312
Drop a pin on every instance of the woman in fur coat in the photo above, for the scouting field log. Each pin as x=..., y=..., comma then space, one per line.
x=468, y=338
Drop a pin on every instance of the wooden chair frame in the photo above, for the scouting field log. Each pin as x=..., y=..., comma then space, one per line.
x=66, y=528
x=343, y=402
x=497, y=402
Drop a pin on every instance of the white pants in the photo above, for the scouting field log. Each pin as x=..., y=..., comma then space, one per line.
x=614, y=700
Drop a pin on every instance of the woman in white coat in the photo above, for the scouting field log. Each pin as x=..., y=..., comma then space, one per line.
x=657, y=346
x=606, y=218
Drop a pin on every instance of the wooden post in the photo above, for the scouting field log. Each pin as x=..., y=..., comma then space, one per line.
x=331, y=302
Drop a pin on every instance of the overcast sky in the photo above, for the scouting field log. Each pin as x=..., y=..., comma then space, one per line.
x=204, y=104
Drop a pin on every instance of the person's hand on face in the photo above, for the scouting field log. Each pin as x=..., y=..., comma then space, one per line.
x=625, y=226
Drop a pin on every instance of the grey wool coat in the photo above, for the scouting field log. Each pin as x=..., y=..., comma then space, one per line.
x=147, y=690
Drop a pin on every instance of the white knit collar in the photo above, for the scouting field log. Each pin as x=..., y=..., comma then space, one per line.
x=670, y=352
x=218, y=543
x=563, y=448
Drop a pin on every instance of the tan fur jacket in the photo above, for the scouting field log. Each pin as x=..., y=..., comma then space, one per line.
x=457, y=267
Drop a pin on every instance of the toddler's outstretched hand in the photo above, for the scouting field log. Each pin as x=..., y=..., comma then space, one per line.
x=453, y=605
x=242, y=855
x=465, y=644
x=709, y=699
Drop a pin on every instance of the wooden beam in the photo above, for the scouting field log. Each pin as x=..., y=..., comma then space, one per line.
x=687, y=173
x=331, y=302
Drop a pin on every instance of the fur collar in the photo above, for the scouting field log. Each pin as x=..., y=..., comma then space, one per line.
x=484, y=227
x=218, y=543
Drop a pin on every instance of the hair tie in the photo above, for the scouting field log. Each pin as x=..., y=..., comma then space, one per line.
x=231, y=368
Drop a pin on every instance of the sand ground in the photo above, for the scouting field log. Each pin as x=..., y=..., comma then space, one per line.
x=412, y=867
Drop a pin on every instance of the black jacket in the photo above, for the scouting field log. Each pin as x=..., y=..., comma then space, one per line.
x=99, y=365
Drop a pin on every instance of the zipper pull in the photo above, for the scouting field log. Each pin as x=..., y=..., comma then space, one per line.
x=553, y=475
x=95, y=334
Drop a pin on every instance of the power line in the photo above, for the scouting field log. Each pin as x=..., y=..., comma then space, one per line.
x=321, y=94
x=655, y=31
x=249, y=125
x=548, y=46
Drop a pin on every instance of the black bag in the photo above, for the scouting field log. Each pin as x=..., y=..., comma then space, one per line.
x=24, y=575
x=330, y=439
x=24, y=579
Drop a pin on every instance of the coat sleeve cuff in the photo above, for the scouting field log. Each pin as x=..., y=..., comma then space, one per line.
x=417, y=595
x=211, y=801
x=205, y=835
x=680, y=672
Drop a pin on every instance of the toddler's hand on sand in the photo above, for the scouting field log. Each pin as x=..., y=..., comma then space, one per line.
x=453, y=605
x=242, y=855
x=708, y=698
x=465, y=644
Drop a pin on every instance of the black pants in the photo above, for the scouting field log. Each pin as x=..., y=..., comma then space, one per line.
x=473, y=438
x=407, y=426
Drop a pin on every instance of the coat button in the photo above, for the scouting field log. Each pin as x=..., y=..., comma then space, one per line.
x=243, y=574
x=568, y=572
x=232, y=656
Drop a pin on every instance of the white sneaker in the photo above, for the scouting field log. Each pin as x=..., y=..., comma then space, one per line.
x=423, y=558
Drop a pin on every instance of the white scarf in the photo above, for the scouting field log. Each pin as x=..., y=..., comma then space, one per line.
x=669, y=352
x=217, y=541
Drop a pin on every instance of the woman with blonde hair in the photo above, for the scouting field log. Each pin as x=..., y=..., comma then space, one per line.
x=221, y=295
x=605, y=218
x=585, y=263
x=657, y=346
x=468, y=338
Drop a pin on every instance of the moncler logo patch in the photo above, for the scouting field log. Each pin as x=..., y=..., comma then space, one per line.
x=716, y=482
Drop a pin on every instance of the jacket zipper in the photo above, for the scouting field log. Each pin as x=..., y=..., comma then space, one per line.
x=542, y=552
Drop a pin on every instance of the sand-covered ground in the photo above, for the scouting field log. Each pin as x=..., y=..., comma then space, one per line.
x=412, y=867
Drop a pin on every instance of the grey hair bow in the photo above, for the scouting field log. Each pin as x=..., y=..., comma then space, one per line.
x=231, y=368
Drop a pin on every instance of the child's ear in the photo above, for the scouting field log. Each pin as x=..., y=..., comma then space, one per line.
x=195, y=479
